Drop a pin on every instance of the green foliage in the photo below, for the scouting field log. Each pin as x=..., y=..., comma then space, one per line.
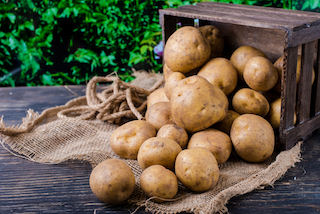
x=48, y=42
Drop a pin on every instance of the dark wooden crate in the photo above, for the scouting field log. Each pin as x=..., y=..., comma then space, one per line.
x=277, y=32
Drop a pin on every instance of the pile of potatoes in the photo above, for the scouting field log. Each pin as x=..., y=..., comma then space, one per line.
x=209, y=106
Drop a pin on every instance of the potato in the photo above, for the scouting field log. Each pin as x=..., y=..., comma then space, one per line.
x=252, y=137
x=159, y=114
x=157, y=181
x=196, y=104
x=249, y=101
x=166, y=71
x=279, y=66
x=217, y=142
x=220, y=72
x=186, y=49
x=175, y=133
x=157, y=96
x=112, y=181
x=171, y=82
x=126, y=140
x=158, y=151
x=225, y=124
x=260, y=74
x=275, y=113
x=197, y=169
x=215, y=39
x=240, y=57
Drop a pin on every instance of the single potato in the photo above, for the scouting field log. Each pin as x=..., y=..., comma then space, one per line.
x=186, y=49
x=156, y=96
x=196, y=104
x=260, y=74
x=159, y=182
x=171, y=82
x=249, y=101
x=220, y=72
x=275, y=113
x=213, y=35
x=175, y=133
x=197, y=169
x=112, y=181
x=225, y=124
x=159, y=114
x=126, y=140
x=158, y=151
x=217, y=142
x=241, y=56
x=252, y=137
x=166, y=71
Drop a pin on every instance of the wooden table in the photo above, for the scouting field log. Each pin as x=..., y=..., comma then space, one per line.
x=27, y=187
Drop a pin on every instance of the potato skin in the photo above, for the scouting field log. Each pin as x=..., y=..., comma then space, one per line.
x=126, y=140
x=252, y=137
x=158, y=151
x=186, y=49
x=159, y=114
x=249, y=101
x=197, y=169
x=175, y=133
x=213, y=35
x=196, y=104
x=112, y=181
x=217, y=142
x=156, y=96
x=171, y=82
x=157, y=181
x=225, y=124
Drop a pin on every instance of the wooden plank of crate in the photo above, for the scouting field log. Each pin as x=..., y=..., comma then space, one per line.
x=168, y=24
x=316, y=84
x=304, y=87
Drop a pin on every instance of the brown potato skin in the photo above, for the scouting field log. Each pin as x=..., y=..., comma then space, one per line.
x=241, y=55
x=196, y=104
x=112, y=181
x=260, y=74
x=126, y=140
x=214, y=37
x=186, y=49
x=252, y=137
x=157, y=181
x=171, y=82
x=166, y=71
x=225, y=124
x=249, y=101
x=175, y=133
x=158, y=151
x=159, y=114
x=197, y=169
x=156, y=96
x=220, y=72
x=217, y=142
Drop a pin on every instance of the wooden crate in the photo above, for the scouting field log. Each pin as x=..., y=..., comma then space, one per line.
x=277, y=32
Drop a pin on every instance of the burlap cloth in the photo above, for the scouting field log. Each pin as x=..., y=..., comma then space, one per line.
x=81, y=129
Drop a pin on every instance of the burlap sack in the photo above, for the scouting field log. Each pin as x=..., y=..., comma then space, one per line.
x=80, y=130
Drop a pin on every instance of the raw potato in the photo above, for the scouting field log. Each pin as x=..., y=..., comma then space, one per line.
x=112, y=181
x=159, y=114
x=217, y=142
x=249, y=101
x=260, y=74
x=171, y=82
x=197, y=169
x=275, y=113
x=186, y=49
x=215, y=39
x=241, y=55
x=220, y=72
x=225, y=124
x=166, y=72
x=252, y=137
x=157, y=96
x=196, y=104
x=157, y=181
x=175, y=133
x=158, y=151
x=126, y=140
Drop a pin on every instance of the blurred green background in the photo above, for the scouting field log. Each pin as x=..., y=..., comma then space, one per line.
x=66, y=42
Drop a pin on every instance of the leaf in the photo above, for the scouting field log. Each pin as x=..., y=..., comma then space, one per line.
x=143, y=49
x=314, y=4
x=11, y=17
x=7, y=6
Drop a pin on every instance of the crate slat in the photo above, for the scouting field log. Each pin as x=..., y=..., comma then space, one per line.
x=316, y=84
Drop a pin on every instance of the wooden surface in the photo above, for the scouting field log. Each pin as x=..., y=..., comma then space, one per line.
x=27, y=187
